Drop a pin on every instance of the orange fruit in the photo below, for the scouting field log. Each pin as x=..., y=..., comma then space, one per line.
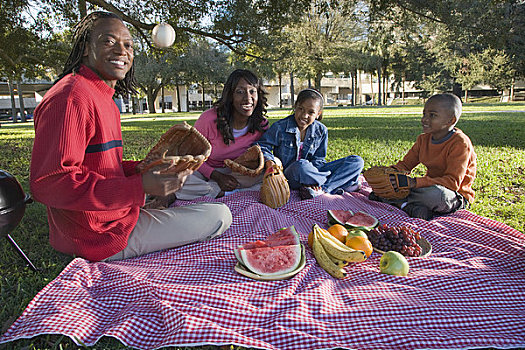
x=311, y=239
x=338, y=231
x=360, y=243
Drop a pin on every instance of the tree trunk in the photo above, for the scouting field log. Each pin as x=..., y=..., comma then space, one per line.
x=372, y=86
x=511, y=94
x=359, y=92
x=403, y=88
x=151, y=102
x=82, y=8
x=133, y=104
x=203, y=98
x=352, y=76
x=318, y=78
x=163, y=108
x=13, y=103
x=466, y=95
x=379, y=88
x=385, y=87
x=280, y=90
x=178, y=99
x=292, y=94
x=21, y=103
x=456, y=89
x=187, y=100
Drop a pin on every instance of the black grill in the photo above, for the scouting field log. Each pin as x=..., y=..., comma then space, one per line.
x=13, y=202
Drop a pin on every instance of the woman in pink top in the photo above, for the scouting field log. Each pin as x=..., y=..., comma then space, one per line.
x=235, y=122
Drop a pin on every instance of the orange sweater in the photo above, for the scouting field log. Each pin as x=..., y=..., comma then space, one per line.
x=451, y=164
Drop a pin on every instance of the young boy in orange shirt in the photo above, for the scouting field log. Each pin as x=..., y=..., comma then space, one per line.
x=449, y=157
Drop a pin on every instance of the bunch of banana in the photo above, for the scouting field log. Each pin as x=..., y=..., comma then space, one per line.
x=331, y=254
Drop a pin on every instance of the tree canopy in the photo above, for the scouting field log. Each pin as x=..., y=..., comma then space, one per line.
x=433, y=43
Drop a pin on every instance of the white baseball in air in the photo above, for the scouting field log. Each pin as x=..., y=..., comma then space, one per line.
x=163, y=35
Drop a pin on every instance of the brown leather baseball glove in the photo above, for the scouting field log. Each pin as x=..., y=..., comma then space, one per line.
x=275, y=191
x=387, y=182
x=250, y=163
x=181, y=147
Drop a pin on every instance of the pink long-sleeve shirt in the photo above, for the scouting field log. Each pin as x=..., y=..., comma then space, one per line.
x=207, y=126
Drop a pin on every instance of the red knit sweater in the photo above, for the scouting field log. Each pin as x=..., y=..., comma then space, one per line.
x=93, y=198
x=451, y=164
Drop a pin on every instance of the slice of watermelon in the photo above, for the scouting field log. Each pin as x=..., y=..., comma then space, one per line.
x=339, y=216
x=279, y=254
x=362, y=220
x=350, y=220
x=272, y=261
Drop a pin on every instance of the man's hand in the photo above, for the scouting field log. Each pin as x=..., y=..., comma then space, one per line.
x=226, y=182
x=163, y=184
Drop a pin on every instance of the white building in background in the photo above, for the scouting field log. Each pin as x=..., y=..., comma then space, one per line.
x=337, y=91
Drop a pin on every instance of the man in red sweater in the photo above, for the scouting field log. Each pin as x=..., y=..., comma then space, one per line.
x=93, y=197
x=450, y=160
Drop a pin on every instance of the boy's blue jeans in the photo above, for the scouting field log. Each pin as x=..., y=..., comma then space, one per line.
x=339, y=174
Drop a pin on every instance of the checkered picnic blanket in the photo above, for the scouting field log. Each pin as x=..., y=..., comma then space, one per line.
x=469, y=293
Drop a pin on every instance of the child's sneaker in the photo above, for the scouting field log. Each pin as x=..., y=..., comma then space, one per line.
x=306, y=192
x=418, y=211
x=227, y=193
x=353, y=188
x=374, y=197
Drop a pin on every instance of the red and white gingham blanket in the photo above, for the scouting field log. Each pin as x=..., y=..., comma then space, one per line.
x=469, y=293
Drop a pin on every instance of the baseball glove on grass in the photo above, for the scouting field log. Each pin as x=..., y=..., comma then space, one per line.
x=181, y=147
x=387, y=182
x=249, y=163
x=275, y=191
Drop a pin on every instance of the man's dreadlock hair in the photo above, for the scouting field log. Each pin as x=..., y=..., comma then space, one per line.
x=81, y=37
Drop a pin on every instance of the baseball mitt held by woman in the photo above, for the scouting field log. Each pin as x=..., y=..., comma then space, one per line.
x=275, y=191
x=387, y=182
x=250, y=163
x=181, y=147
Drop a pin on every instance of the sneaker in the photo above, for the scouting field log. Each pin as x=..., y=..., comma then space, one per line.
x=374, y=197
x=227, y=193
x=306, y=192
x=418, y=211
x=339, y=191
x=354, y=188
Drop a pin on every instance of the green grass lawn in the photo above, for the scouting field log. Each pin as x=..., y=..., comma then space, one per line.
x=381, y=135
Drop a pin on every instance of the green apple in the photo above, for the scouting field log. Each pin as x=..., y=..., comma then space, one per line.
x=355, y=232
x=393, y=263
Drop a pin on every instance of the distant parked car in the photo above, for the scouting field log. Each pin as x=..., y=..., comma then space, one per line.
x=18, y=118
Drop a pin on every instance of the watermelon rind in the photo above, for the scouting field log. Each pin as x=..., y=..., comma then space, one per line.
x=238, y=255
x=334, y=216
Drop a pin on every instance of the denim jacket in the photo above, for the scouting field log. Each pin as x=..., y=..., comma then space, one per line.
x=282, y=141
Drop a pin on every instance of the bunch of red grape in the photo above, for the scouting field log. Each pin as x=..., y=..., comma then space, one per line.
x=401, y=239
